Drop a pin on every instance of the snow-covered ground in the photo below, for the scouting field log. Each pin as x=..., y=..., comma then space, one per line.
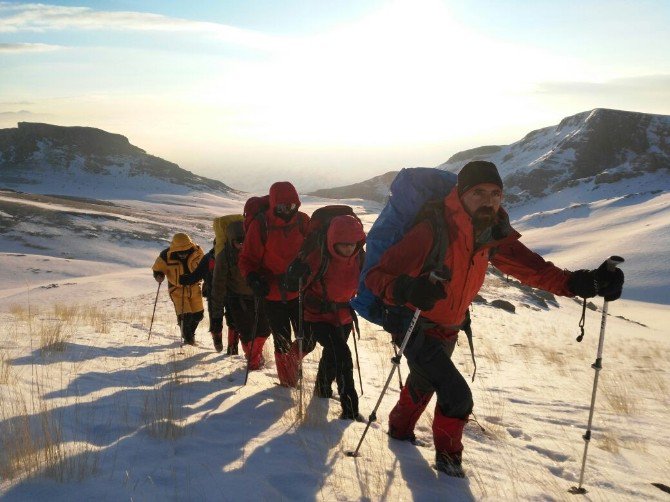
x=110, y=414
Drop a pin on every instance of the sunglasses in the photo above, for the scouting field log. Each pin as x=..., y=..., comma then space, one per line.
x=286, y=208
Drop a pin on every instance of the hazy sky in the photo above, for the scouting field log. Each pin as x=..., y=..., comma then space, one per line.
x=325, y=92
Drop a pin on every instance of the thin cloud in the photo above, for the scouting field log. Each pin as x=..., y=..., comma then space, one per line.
x=642, y=84
x=26, y=47
x=20, y=113
x=41, y=18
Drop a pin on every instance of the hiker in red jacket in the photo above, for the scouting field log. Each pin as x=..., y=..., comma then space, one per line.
x=329, y=286
x=478, y=232
x=272, y=242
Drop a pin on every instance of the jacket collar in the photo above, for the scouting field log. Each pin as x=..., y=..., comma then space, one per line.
x=455, y=213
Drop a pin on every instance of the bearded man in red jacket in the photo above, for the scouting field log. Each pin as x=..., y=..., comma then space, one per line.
x=272, y=242
x=478, y=232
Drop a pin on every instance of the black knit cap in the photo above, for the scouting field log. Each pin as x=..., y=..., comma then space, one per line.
x=476, y=172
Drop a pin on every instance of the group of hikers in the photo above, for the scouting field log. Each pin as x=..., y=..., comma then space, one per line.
x=281, y=273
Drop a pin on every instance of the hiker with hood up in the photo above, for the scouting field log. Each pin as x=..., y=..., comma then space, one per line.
x=272, y=242
x=329, y=283
x=182, y=257
x=230, y=291
x=478, y=231
x=204, y=272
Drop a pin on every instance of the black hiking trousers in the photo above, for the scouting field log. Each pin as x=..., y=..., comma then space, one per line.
x=432, y=370
x=336, y=364
x=190, y=324
x=283, y=316
x=242, y=316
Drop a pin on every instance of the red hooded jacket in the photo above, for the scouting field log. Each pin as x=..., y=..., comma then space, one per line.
x=340, y=281
x=466, y=262
x=271, y=256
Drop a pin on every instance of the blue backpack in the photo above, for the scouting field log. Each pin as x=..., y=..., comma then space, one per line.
x=416, y=194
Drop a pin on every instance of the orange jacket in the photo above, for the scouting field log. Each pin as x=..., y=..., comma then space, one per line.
x=467, y=265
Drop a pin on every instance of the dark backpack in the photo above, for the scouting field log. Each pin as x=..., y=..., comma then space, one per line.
x=316, y=239
x=252, y=207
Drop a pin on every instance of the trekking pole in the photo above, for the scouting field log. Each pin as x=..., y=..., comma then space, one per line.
x=395, y=351
x=257, y=301
x=300, y=334
x=181, y=324
x=396, y=364
x=612, y=263
x=358, y=363
x=154, y=312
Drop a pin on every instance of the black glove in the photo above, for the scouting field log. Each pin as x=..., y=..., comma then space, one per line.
x=419, y=291
x=609, y=282
x=583, y=283
x=296, y=270
x=216, y=325
x=159, y=276
x=186, y=279
x=258, y=284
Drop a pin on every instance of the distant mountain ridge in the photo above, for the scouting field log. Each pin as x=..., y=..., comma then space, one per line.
x=600, y=146
x=373, y=189
x=45, y=158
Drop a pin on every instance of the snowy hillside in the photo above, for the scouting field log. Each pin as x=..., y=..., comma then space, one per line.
x=94, y=409
x=91, y=407
x=602, y=147
x=88, y=162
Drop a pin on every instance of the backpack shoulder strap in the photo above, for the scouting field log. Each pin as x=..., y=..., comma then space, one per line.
x=263, y=224
x=432, y=212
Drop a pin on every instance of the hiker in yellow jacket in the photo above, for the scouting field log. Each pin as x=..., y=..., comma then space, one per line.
x=182, y=257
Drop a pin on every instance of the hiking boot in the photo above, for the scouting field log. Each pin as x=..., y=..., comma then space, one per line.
x=450, y=464
x=233, y=339
x=349, y=415
x=323, y=392
x=218, y=341
x=401, y=437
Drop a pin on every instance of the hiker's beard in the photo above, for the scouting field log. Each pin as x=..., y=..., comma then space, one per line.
x=484, y=218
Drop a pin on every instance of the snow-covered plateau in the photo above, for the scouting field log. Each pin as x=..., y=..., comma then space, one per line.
x=95, y=409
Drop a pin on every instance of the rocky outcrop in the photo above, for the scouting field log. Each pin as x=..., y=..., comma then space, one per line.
x=32, y=151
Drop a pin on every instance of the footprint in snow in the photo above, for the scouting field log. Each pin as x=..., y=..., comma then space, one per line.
x=553, y=455
x=517, y=433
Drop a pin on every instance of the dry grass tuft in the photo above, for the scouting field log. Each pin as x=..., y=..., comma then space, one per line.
x=67, y=313
x=23, y=312
x=619, y=394
x=608, y=442
x=163, y=406
x=5, y=368
x=53, y=336
x=32, y=441
x=100, y=320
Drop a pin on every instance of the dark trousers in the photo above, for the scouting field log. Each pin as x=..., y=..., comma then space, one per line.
x=336, y=363
x=190, y=323
x=241, y=315
x=283, y=316
x=432, y=370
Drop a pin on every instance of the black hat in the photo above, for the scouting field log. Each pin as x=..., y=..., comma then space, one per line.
x=476, y=172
